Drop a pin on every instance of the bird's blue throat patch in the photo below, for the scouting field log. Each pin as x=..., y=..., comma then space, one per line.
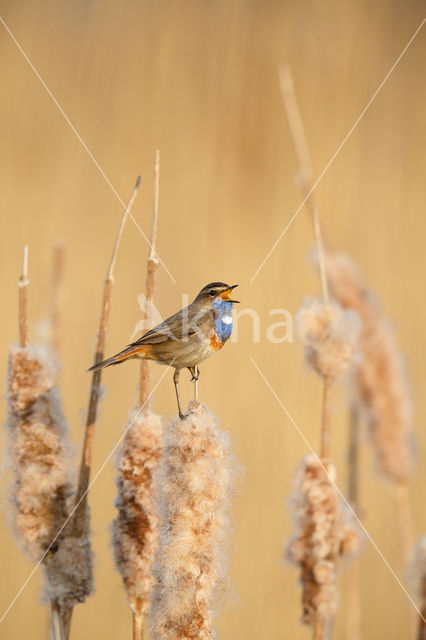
x=223, y=318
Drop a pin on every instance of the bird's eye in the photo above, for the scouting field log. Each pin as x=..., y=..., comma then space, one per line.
x=212, y=292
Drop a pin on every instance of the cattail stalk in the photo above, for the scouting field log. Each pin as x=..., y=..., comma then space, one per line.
x=79, y=523
x=135, y=528
x=56, y=296
x=421, y=634
x=297, y=131
x=40, y=457
x=330, y=335
x=353, y=457
x=380, y=386
x=193, y=488
x=353, y=610
x=150, y=284
x=325, y=421
x=56, y=625
x=305, y=180
x=23, y=300
x=323, y=536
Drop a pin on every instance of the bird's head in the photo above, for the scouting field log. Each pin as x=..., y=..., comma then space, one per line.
x=216, y=291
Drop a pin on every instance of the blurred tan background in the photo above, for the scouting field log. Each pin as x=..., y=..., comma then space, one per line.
x=198, y=80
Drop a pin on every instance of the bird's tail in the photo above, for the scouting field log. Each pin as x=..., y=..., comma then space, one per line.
x=133, y=351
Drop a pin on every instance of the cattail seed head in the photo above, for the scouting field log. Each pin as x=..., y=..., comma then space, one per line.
x=69, y=572
x=380, y=382
x=193, y=487
x=330, y=335
x=39, y=451
x=42, y=492
x=323, y=535
x=135, y=529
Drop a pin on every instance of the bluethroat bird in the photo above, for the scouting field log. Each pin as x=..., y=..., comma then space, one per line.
x=186, y=338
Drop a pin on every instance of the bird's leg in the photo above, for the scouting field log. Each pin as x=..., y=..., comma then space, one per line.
x=195, y=373
x=196, y=385
x=176, y=381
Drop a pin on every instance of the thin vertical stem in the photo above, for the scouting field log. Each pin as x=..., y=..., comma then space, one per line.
x=137, y=626
x=421, y=634
x=403, y=512
x=56, y=627
x=318, y=633
x=353, y=615
x=23, y=300
x=56, y=295
x=353, y=457
x=150, y=285
x=78, y=522
x=325, y=421
x=305, y=177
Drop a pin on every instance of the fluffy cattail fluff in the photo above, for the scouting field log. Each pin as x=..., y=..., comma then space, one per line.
x=41, y=495
x=135, y=529
x=323, y=534
x=380, y=381
x=330, y=335
x=193, y=487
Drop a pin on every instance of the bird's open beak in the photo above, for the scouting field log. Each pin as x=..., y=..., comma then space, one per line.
x=225, y=295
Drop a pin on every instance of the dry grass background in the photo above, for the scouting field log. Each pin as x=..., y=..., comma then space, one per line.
x=199, y=81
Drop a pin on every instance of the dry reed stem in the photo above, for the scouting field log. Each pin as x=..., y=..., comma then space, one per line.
x=56, y=296
x=23, y=300
x=80, y=516
x=193, y=487
x=353, y=608
x=150, y=285
x=137, y=629
x=353, y=611
x=305, y=177
x=135, y=528
x=325, y=421
x=404, y=518
x=421, y=634
x=56, y=626
x=353, y=457
x=330, y=335
x=324, y=534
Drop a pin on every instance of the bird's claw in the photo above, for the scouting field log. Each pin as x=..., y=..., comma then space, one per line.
x=195, y=374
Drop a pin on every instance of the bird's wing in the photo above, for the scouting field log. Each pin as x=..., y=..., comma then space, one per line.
x=183, y=324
